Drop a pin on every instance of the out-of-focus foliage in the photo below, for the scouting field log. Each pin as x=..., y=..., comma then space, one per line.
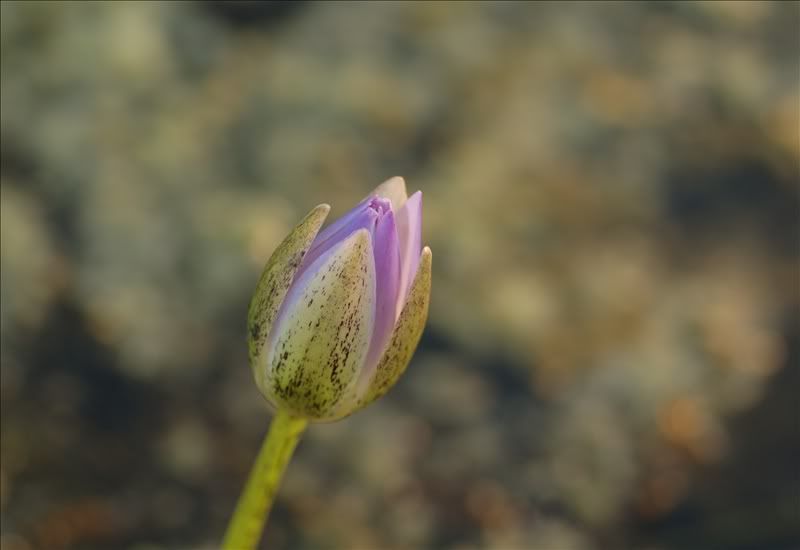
x=611, y=194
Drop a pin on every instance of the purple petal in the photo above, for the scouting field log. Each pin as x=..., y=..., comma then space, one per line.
x=344, y=220
x=387, y=275
x=409, y=232
x=363, y=216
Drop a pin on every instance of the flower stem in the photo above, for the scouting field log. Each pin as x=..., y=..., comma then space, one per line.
x=247, y=523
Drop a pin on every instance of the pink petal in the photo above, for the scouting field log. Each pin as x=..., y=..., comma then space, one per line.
x=387, y=276
x=409, y=232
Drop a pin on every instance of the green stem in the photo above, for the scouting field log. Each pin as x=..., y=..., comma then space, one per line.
x=247, y=523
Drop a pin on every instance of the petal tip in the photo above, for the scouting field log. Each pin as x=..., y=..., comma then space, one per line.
x=323, y=208
x=396, y=180
x=393, y=189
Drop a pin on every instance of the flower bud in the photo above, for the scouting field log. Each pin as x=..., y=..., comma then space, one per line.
x=337, y=314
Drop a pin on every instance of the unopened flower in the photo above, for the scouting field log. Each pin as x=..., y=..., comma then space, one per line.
x=337, y=315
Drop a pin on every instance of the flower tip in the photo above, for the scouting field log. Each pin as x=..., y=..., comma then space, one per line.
x=322, y=208
x=396, y=180
x=393, y=189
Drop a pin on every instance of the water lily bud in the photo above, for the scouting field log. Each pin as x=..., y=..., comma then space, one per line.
x=337, y=314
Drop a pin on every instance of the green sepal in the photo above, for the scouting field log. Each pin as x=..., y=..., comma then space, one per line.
x=323, y=334
x=275, y=280
x=406, y=335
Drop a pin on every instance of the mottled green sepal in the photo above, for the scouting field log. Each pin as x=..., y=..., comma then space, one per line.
x=406, y=334
x=275, y=281
x=323, y=332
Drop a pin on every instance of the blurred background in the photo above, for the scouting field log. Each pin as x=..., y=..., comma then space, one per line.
x=611, y=195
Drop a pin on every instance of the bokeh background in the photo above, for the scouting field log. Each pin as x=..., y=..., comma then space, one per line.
x=611, y=195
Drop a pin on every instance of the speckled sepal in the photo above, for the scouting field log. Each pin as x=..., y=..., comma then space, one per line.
x=322, y=333
x=406, y=334
x=275, y=281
